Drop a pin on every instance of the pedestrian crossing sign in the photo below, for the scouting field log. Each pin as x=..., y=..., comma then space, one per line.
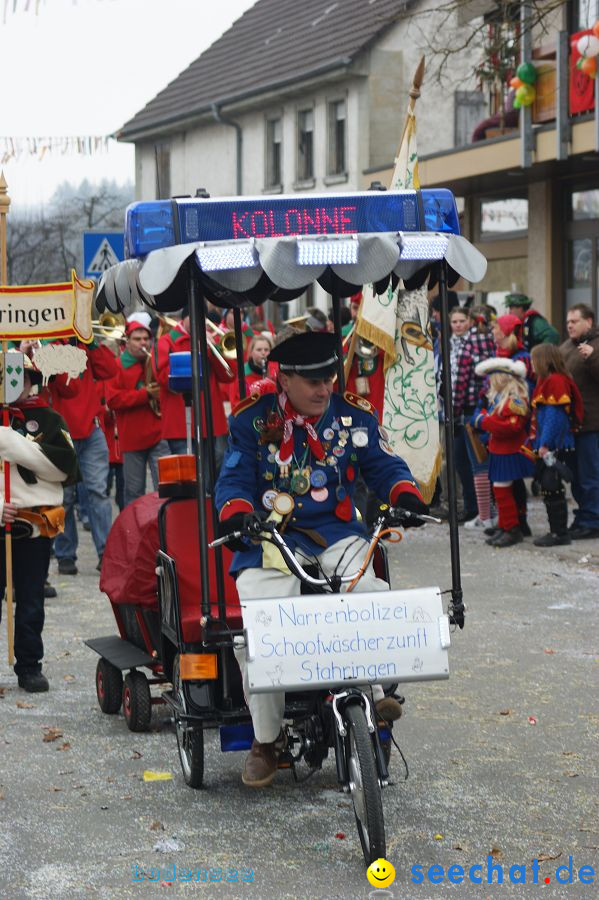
x=101, y=250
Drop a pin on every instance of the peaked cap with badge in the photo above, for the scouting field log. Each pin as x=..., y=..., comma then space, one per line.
x=310, y=354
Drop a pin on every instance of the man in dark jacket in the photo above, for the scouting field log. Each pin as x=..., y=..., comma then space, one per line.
x=535, y=327
x=581, y=355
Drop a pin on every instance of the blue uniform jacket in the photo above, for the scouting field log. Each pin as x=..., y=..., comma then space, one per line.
x=350, y=434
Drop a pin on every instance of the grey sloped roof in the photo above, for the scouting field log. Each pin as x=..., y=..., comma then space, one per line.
x=275, y=42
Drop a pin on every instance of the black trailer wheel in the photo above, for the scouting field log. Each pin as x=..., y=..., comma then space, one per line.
x=109, y=687
x=137, y=702
x=364, y=784
x=190, y=740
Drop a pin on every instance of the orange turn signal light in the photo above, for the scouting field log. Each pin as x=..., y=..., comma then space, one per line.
x=172, y=469
x=195, y=666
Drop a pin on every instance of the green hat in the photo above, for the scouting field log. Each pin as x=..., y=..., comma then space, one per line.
x=517, y=300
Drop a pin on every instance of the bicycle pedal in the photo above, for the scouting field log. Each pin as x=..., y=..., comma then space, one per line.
x=285, y=761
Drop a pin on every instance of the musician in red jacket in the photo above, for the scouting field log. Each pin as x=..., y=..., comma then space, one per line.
x=172, y=405
x=133, y=395
x=82, y=415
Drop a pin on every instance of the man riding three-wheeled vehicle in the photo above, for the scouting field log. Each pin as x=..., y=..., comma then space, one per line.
x=304, y=604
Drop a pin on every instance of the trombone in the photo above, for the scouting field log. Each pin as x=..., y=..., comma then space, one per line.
x=109, y=327
x=227, y=340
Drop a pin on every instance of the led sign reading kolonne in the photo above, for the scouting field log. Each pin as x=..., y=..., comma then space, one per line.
x=164, y=223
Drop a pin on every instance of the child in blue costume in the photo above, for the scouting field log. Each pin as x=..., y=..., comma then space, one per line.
x=556, y=412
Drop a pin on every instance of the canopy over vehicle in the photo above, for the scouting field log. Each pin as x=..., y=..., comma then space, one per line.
x=240, y=251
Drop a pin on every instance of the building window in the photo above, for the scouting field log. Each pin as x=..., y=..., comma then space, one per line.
x=470, y=109
x=584, y=205
x=337, y=164
x=503, y=218
x=274, y=146
x=583, y=15
x=305, y=145
x=162, y=156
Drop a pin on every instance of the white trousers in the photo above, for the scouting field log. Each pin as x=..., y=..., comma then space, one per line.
x=267, y=710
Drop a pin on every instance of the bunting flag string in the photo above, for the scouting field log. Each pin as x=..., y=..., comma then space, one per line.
x=38, y=146
x=15, y=6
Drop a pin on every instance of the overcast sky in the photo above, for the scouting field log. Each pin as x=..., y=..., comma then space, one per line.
x=83, y=67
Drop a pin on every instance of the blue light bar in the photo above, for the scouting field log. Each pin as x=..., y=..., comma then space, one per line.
x=164, y=223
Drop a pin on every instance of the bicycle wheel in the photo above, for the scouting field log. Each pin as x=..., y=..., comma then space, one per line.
x=364, y=784
x=190, y=741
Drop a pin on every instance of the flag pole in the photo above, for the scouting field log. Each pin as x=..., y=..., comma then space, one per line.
x=414, y=95
x=4, y=205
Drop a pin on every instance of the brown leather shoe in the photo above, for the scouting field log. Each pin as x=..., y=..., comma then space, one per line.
x=388, y=709
x=261, y=763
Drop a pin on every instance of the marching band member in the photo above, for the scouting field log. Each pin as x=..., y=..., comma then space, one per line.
x=172, y=405
x=82, y=414
x=42, y=459
x=134, y=400
x=295, y=455
x=257, y=367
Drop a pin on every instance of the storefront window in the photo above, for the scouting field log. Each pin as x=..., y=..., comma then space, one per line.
x=585, y=205
x=502, y=217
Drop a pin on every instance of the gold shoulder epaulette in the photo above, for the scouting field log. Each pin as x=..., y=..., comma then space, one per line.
x=359, y=402
x=245, y=404
x=517, y=407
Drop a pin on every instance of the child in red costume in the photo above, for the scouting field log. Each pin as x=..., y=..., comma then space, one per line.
x=506, y=421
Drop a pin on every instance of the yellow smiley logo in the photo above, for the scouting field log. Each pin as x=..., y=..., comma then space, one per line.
x=380, y=873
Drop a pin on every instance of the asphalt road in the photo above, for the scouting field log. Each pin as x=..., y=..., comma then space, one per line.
x=503, y=758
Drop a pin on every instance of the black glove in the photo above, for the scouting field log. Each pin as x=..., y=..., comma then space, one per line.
x=412, y=504
x=240, y=522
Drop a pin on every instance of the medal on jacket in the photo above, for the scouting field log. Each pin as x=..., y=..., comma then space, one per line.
x=318, y=478
x=300, y=484
x=359, y=437
x=283, y=504
x=268, y=498
x=319, y=494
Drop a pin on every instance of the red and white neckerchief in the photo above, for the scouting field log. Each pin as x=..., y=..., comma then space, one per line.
x=291, y=418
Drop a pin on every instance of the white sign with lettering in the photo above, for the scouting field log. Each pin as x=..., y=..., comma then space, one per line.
x=318, y=641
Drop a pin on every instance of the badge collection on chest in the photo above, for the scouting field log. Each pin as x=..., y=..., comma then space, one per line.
x=298, y=477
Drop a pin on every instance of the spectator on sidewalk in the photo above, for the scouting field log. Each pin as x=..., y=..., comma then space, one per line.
x=535, y=327
x=581, y=355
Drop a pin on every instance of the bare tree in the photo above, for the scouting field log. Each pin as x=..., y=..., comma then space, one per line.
x=486, y=32
x=44, y=245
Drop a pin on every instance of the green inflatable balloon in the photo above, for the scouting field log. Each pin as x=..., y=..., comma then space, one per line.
x=527, y=73
x=517, y=103
x=525, y=95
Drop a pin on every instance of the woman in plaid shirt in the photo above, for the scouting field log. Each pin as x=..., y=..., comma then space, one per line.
x=477, y=346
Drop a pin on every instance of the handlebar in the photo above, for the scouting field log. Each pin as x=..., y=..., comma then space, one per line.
x=388, y=517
